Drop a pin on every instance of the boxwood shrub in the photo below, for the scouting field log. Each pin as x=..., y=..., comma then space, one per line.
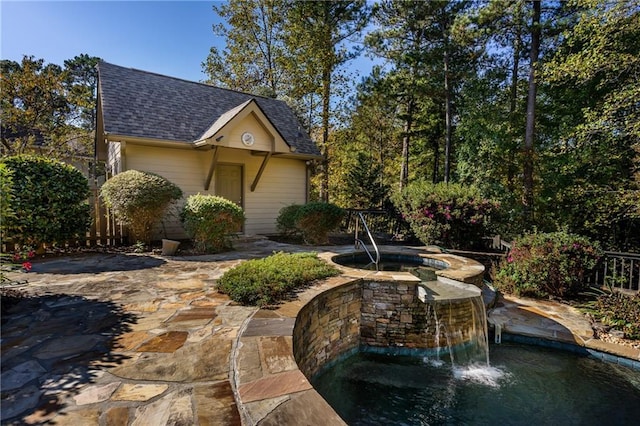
x=210, y=220
x=139, y=200
x=549, y=264
x=266, y=281
x=47, y=201
x=313, y=221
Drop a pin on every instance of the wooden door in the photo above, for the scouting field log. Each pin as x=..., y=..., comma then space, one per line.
x=229, y=183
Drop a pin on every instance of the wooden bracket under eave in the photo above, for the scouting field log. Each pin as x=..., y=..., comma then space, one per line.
x=212, y=167
x=259, y=174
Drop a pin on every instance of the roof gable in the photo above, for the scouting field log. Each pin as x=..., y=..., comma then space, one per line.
x=146, y=105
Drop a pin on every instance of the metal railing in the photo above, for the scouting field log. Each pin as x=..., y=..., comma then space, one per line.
x=359, y=243
x=381, y=221
x=620, y=271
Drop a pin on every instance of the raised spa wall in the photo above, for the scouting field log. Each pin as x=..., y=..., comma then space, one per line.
x=384, y=310
x=279, y=350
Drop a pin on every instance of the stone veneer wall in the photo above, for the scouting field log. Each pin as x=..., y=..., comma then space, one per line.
x=393, y=316
x=375, y=314
x=327, y=326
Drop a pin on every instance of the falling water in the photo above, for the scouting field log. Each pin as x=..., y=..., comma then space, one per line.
x=466, y=342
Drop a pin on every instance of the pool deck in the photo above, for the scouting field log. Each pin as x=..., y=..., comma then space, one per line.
x=138, y=339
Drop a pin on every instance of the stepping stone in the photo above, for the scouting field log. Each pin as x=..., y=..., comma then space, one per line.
x=65, y=346
x=18, y=402
x=215, y=405
x=172, y=409
x=138, y=392
x=97, y=393
x=166, y=342
x=21, y=375
x=277, y=354
x=274, y=386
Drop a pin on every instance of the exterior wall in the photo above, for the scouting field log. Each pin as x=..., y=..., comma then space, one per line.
x=114, y=158
x=283, y=181
x=383, y=315
x=327, y=327
x=393, y=316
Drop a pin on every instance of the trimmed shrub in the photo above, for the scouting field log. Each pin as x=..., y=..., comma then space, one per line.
x=139, y=200
x=48, y=201
x=287, y=217
x=313, y=221
x=266, y=281
x=209, y=220
x=543, y=265
x=450, y=215
x=6, y=198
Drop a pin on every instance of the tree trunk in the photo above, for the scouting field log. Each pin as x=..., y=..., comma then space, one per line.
x=511, y=167
x=527, y=198
x=326, y=98
x=406, y=139
x=447, y=119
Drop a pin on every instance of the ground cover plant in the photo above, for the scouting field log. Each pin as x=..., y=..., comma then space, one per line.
x=619, y=311
x=139, y=200
x=210, y=220
x=266, y=281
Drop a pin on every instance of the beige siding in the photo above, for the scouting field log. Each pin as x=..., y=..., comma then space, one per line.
x=283, y=182
x=113, y=158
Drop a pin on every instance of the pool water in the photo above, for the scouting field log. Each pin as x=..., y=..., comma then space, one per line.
x=526, y=385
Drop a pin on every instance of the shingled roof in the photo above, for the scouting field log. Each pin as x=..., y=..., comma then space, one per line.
x=147, y=105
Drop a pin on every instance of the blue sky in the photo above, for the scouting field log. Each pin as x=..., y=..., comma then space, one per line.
x=165, y=37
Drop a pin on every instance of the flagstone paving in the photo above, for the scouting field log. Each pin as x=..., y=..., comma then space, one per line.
x=117, y=339
x=126, y=339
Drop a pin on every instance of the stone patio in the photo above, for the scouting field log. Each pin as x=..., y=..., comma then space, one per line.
x=126, y=339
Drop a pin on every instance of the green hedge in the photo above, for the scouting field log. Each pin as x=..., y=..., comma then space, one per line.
x=139, y=200
x=551, y=264
x=47, y=202
x=210, y=220
x=268, y=280
x=450, y=215
x=313, y=221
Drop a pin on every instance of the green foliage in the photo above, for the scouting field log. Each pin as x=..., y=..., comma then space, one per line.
x=450, y=215
x=620, y=311
x=252, y=60
x=48, y=108
x=209, y=220
x=268, y=280
x=6, y=198
x=49, y=201
x=551, y=264
x=287, y=217
x=313, y=221
x=139, y=200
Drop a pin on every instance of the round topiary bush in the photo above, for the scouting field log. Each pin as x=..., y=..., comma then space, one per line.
x=47, y=201
x=543, y=265
x=210, y=220
x=139, y=200
x=447, y=214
